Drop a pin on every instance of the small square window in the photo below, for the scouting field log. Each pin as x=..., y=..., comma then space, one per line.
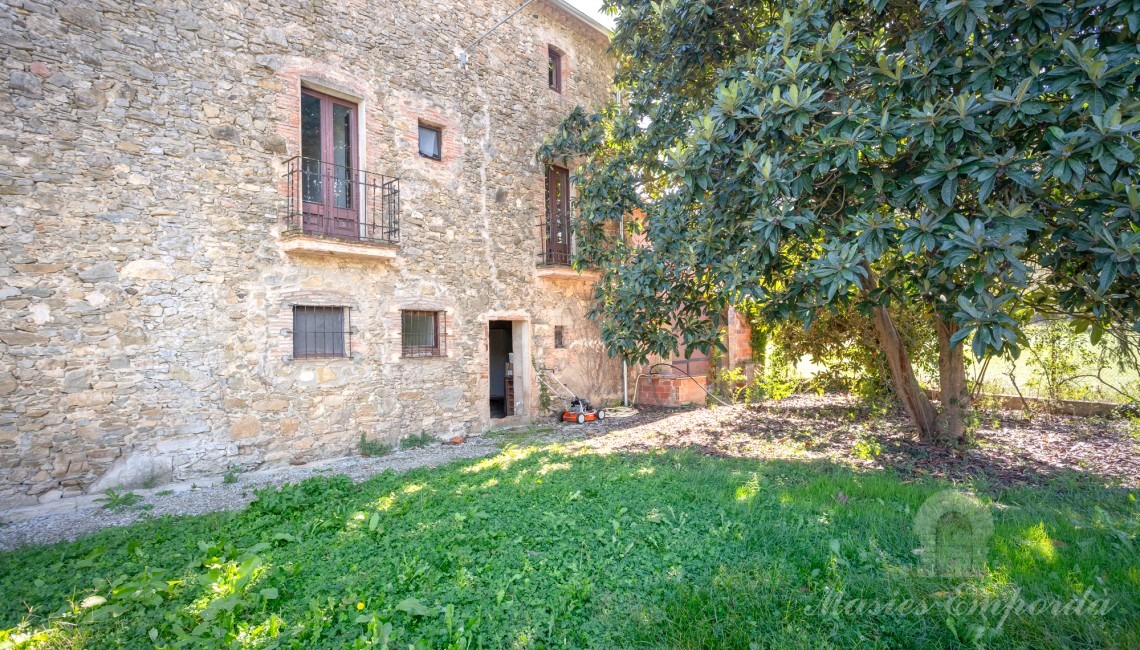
x=554, y=69
x=559, y=336
x=423, y=333
x=320, y=332
x=431, y=139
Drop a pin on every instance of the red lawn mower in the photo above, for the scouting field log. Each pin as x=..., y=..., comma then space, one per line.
x=575, y=409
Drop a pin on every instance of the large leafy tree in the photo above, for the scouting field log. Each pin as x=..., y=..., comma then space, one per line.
x=972, y=158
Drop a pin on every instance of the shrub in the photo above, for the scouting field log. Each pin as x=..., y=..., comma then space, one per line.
x=415, y=441
x=373, y=448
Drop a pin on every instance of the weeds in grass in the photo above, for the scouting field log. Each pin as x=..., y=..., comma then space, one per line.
x=415, y=441
x=531, y=434
x=116, y=500
x=164, y=493
x=866, y=448
x=231, y=475
x=373, y=448
x=872, y=406
x=1134, y=427
x=543, y=547
x=1129, y=412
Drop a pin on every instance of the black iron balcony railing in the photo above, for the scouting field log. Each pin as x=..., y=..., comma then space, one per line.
x=328, y=200
x=557, y=244
x=555, y=257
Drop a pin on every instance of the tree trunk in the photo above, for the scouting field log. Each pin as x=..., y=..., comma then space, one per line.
x=955, y=396
x=902, y=376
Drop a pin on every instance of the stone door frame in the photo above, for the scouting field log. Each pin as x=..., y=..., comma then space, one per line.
x=521, y=341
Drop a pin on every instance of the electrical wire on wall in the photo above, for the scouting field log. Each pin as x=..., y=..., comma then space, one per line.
x=466, y=50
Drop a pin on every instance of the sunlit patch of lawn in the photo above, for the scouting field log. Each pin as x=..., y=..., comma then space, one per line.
x=544, y=547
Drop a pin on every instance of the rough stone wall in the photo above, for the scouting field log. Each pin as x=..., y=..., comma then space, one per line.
x=144, y=293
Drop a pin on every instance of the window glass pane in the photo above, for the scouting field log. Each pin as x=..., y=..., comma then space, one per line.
x=342, y=156
x=559, y=203
x=429, y=141
x=421, y=333
x=318, y=332
x=554, y=70
x=311, y=148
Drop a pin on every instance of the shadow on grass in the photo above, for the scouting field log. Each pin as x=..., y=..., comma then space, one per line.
x=548, y=547
x=1009, y=451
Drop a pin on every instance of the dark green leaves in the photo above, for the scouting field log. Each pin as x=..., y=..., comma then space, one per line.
x=968, y=153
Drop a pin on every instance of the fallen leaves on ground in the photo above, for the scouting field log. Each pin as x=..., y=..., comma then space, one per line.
x=1008, y=447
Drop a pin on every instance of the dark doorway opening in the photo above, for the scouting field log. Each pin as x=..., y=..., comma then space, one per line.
x=501, y=369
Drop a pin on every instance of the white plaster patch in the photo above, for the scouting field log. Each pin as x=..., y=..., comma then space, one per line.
x=147, y=270
x=39, y=314
x=306, y=375
x=96, y=299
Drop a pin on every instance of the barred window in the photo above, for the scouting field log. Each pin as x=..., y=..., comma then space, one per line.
x=559, y=336
x=320, y=332
x=424, y=333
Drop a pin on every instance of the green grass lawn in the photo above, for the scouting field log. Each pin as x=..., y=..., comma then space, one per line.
x=543, y=548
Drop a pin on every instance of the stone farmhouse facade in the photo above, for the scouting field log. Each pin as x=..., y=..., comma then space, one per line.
x=248, y=233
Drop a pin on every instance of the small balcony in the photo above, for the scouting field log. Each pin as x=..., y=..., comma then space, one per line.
x=340, y=211
x=557, y=255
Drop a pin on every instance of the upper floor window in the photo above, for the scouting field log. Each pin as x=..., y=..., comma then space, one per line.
x=431, y=141
x=330, y=196
x=556, y=239
x=328, y=164
x=554, y=69
x=320, y=332
x=559, y=336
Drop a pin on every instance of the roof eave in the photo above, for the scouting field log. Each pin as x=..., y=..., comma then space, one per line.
x=582, y=17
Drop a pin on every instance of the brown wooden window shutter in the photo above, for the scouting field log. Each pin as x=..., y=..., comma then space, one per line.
x=556, y=246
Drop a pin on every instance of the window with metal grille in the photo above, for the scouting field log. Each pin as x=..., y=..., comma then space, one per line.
x=424, y=333
x=320, y=332
x=559, y=336
x=554, y=69
x=431, y=139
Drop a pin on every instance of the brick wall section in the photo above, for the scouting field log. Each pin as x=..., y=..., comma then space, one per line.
x=670, y=390
x=143, y=288
x=739, y=340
